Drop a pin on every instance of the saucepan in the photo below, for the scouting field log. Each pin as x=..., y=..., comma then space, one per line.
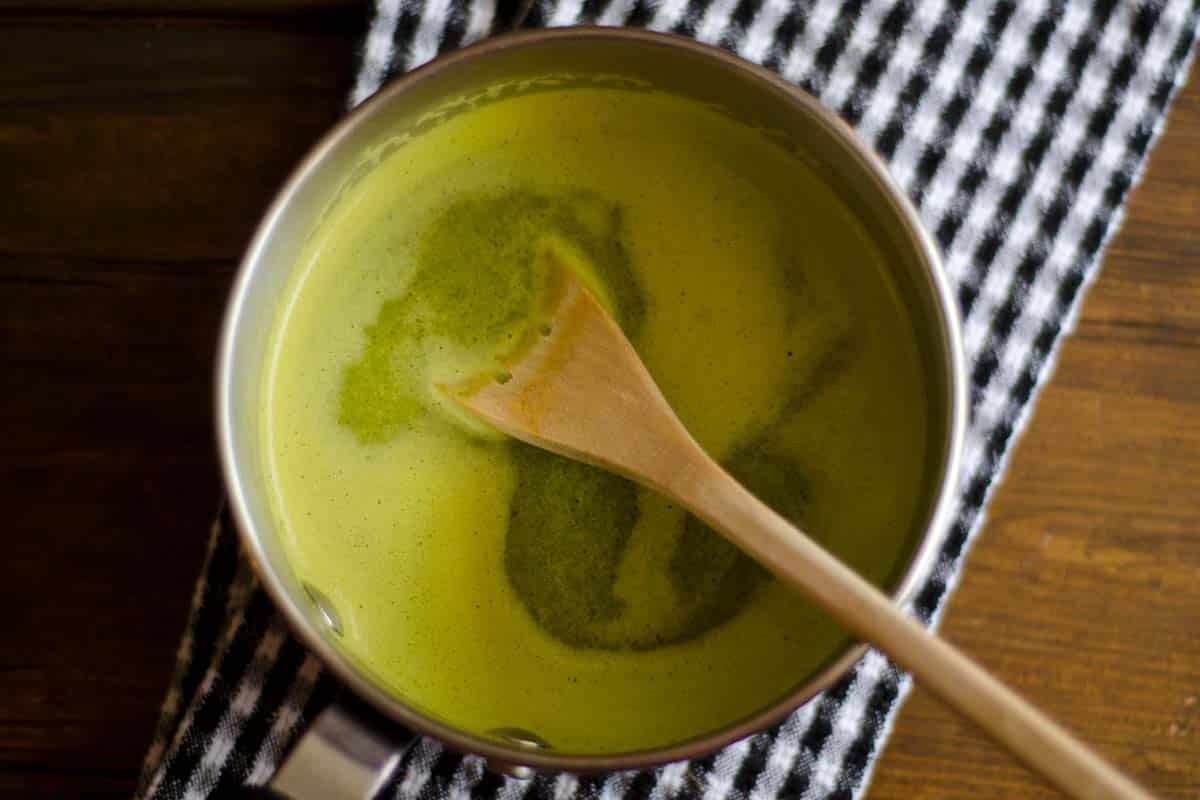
x=350, y=749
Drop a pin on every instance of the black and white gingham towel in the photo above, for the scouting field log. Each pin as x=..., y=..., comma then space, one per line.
x=1017, y=128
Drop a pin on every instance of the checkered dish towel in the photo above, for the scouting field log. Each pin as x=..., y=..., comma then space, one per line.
x=1017, y=128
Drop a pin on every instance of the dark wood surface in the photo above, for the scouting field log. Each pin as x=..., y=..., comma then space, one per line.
x=140, y=141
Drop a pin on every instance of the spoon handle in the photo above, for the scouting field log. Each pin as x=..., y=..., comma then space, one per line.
x=1032, y=736
x=581, y=391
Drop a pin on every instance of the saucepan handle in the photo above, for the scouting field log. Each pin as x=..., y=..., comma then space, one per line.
x=348, y=753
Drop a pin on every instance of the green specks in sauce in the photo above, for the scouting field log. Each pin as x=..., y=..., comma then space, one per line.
x=479, y=275
x=568, y=527
x=378, y=395
x=570, y=535
x=478, y=279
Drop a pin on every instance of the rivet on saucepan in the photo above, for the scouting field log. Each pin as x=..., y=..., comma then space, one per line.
x=328, y=611
x=522, y=738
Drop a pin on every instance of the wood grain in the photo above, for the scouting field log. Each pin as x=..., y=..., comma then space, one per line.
x=135, y=162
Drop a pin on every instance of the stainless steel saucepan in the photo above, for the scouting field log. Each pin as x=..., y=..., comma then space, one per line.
x=350, y=749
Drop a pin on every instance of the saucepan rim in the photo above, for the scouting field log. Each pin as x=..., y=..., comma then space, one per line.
x=924, y=555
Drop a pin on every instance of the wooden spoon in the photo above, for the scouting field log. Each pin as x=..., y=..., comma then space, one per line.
x=577, y=388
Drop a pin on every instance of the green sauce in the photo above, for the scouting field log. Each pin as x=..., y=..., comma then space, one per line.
x=480, y=271
x=497, y=586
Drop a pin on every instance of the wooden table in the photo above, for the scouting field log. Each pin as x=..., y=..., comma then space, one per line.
x=138, y=147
